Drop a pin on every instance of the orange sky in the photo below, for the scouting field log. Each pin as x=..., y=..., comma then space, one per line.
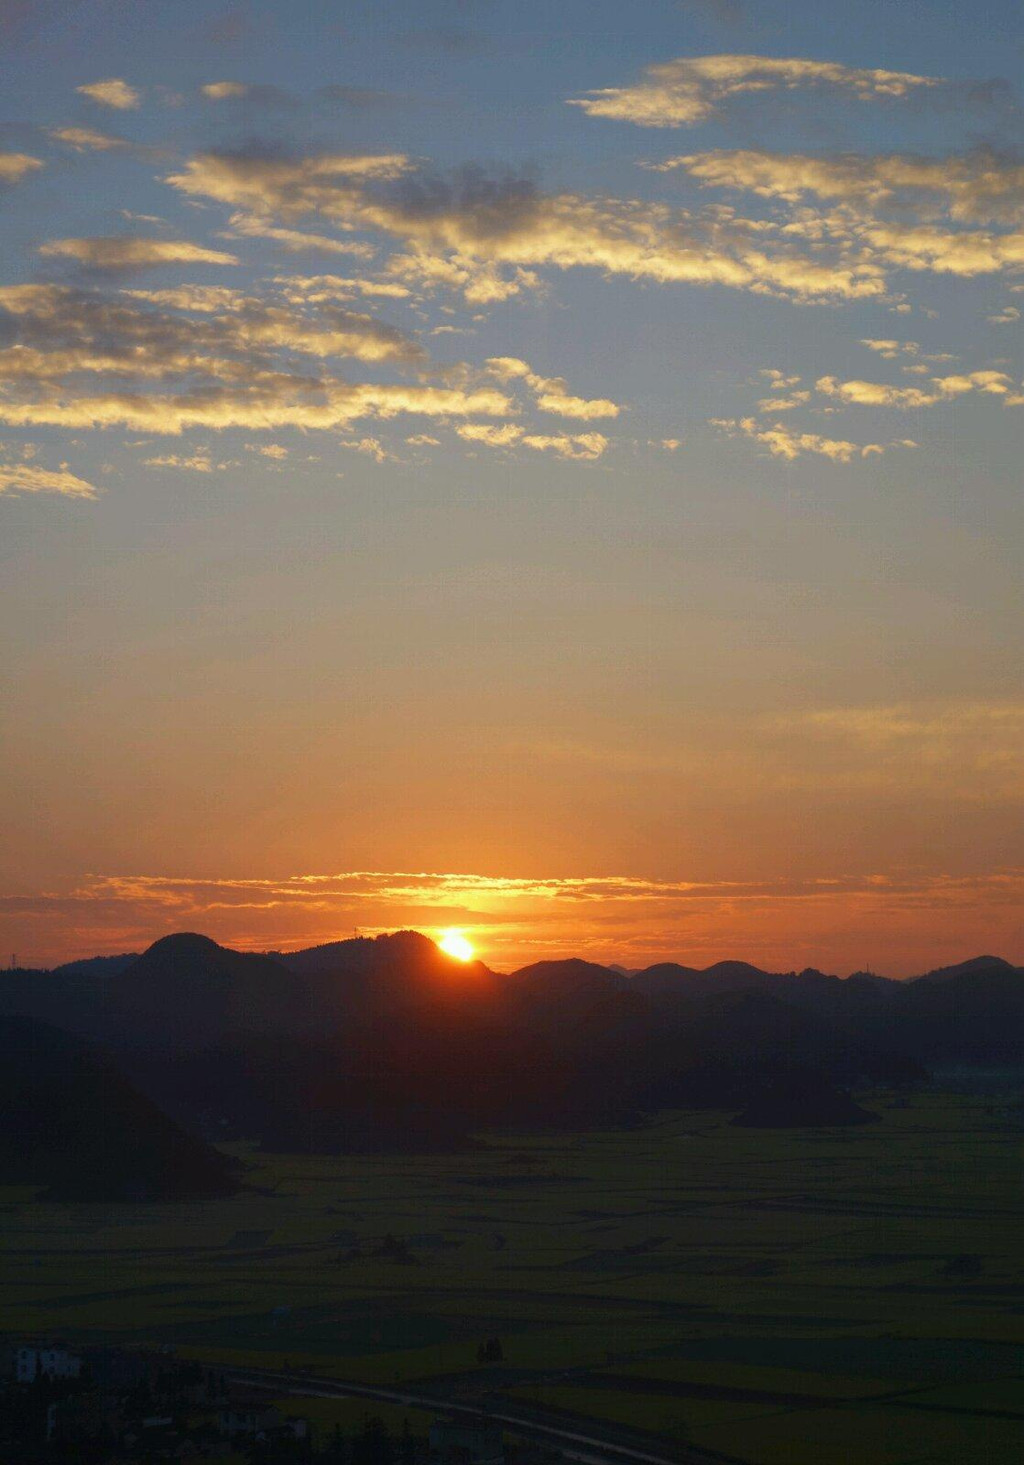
x=838, y=925
x=568, y=445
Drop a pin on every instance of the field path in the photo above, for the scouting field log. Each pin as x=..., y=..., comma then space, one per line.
x=575, y=1437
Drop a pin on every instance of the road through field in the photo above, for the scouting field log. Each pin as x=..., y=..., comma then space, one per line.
x=587, y=1447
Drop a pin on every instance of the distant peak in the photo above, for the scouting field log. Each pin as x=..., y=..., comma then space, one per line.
x=183, y=943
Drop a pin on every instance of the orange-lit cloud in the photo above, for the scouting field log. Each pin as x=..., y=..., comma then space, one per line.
x=114, y=92
x=16, y=166
x=634, y=920
x=87, y=139
x=465, y=230
x=119, y=252
x=784, y=442
x=28, y=478
x=691, y=89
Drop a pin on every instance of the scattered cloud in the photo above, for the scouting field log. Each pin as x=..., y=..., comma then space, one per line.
x=552, y=394
x=782, y=442
x=690, y=89
x=890, y=211
x=87, y=139
x=579, y=447
x=942, y=389
x=16, y=166
x=1009, y=315
x=112, y=93
x=293, y=241
x=976, y=187
x=193, y=463
x=124, y=252
x=220, y=91
x=486, y=235
x=222, y=360
x=785, y=398
x=27, y=478
x=495, y=435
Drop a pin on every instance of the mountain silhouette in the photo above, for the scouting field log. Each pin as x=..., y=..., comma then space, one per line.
x=801, y=1100
x=388, y=1043
x=74, y=1125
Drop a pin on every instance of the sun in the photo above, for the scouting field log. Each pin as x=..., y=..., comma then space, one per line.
x=453, y=942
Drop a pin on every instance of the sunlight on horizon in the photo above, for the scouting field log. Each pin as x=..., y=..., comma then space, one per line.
x=454, y=942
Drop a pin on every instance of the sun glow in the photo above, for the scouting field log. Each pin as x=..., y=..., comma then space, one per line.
x=454, y=942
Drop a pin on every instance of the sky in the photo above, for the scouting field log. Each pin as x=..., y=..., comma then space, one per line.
x=548, y=470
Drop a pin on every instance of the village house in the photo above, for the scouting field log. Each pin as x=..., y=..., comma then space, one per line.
x=26, y=1362
x=466, y=1442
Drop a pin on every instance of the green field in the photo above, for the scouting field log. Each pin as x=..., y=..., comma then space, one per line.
x=847, y=1297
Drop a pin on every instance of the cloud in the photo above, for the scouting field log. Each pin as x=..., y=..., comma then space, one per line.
x=1009, y=315
x=124, y=252
x=219, y=91
x=87, y=139
x=889, y=211
x=204, y=299
x=316, y=289
x=293, y=241
x=195, y=463
x=942, y=389
x=230, y=367
x=111, y=93
x=27, y=478
x=241, y=91
x=467, y=230
x=360, y=96
x=577, y=447
x=786, y=397
x=265, y=405
x=515, y=918
x=495, y=435
x=978, y=187
x=16, y=166
x=690, y=89
x=782, y=442
x=551, y=393
x=264, y=184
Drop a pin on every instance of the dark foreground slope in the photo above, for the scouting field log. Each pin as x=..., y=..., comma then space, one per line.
x=73, y=1124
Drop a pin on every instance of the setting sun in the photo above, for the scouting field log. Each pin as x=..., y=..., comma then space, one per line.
x=455, y=943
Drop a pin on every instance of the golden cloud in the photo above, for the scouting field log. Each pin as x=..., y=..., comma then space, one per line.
x=976, y=187
x=111, y=93
x=219, y=91
x=690, y=89
x=464, y=233
x=943, y=389
x=15, y=166
x=27, y=478
x=87, y=139
x=552, y=393
x=124, y=252
x=782, y=442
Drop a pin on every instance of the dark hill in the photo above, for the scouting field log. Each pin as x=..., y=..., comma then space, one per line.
x=801, y=1100
x=188, y=990
x=96, y=966
x=974, y=1017
x=988, y=965
x=73, y=1124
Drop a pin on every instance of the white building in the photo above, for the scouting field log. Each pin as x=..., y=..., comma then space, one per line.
x=31, y=1363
